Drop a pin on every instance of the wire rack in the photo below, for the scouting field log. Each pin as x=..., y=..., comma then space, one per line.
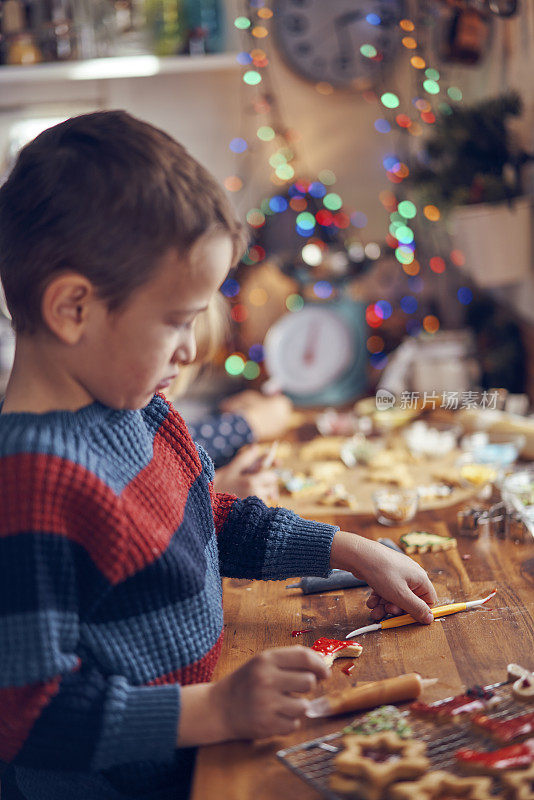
x=313, y=761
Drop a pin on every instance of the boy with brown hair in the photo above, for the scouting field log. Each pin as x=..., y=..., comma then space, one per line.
x=112, y=539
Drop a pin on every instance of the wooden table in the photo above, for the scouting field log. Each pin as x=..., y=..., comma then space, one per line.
x=461, y=650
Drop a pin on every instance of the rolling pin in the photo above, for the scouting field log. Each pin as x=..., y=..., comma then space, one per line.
x=370, y=695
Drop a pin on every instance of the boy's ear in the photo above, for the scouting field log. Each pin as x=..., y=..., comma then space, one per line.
x=65, y=306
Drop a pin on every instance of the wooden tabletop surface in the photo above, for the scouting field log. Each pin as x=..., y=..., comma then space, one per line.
x=461, y=650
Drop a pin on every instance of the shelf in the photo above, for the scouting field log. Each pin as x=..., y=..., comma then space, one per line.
x=140, y=66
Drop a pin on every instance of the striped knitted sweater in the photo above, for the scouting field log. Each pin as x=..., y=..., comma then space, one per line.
x=112, y=546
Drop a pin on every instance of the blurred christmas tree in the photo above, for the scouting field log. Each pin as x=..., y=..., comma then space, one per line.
x=472, y=157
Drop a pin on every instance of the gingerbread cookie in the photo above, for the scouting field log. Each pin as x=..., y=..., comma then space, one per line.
x=523, y=688
x=331, y=649
x=338, y=496
x=519, y=785
x=322, y=448
x=384, y=718
x=423, y=542
x=443, y=786
x=516, y=756
x=369, y=764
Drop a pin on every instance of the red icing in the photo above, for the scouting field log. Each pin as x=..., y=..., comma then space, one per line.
x=506, y=730
x=463, y=704
x=299, y=633
x=512, y=757
x=348, y=669
x=328, y=646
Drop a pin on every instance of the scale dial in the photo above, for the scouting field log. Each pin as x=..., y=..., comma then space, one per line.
x=321, y=39
x=307, y=351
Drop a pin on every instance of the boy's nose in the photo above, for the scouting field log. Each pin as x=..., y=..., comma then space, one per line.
x=186, y=351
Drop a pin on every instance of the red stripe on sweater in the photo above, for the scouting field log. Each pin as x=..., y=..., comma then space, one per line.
x=121, y=533
x=199, y=672
x=19, y=708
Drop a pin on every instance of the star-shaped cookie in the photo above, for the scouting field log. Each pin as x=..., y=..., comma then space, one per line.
x=443, y=786
x=369, y=764
x=520, y=784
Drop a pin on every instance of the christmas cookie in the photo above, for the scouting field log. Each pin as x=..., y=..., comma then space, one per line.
x=323, y=448
x=523, y=688
x=506, y=731
x=385, y=718
x=338, y=496
x=443, y=786
x=369, y=764
x=331, y=649
x=516, y=756
x=422, y=542
x=519, y=785
x=472, y=702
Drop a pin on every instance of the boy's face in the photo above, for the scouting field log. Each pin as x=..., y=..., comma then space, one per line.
x=137, y=350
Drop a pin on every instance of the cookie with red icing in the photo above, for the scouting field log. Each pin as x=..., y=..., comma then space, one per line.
x=506, y=731
x=515, y=756
x=443, y=786
x=331, y=649
x=368, y=765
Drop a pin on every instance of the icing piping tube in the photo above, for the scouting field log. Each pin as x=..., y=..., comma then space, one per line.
x=370, y=695
x=406, y=619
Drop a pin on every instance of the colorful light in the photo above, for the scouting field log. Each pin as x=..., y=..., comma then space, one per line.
x=244, y=59
x=265, y=133
x=255, y=218
x=383, y=309
x=409, y=42
x=230, y=288
x=406, y=25
x=455, y=93
x=251, y=370
x=431, y=324
x=403, y=120
x=371, y=317
x=252, y=78
x=239, y=312
x=298, y=204
x=242, y=23
x=418, y=62
x=433, y=74
x=358, y=219
x=285, y=172
x=378, y=361
x=317, y=189
x=327, y=177
x=375, y=344
x=404, y=255
x=411, y=269
x=323, y=289
x=306, y=220
x=238, y=145
x=233, y=183
x=404, y=234
x=312, y=255
x=259, y=32
x=332, y=201
x=457, y=258
x=432, y=87
x=437, y=264
x=409, y=304
x=432, y=213
x=256, y=353
x=368, y=51
x=234, y=365
x=373, y=19
x=382, y=126
x=372, y=251
x=294, y=302
x=407, y=209
x=465, y=295
x=278, y=204
x=390, y=100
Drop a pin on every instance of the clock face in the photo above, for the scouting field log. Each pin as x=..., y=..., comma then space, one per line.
x=307, y=351
x=321, y=39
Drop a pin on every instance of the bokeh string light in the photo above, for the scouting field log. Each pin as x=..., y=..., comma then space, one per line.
x=293, y=194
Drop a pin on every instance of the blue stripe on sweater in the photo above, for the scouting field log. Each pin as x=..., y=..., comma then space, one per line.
x=114, y=445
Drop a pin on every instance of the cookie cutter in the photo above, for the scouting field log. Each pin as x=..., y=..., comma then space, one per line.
x=497, y=521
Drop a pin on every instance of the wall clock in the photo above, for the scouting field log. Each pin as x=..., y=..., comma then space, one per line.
x=318, y=355
x=321, y=39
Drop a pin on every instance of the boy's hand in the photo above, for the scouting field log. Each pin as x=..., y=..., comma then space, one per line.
x=245, y=476
x=398, y=583
x=258, y=700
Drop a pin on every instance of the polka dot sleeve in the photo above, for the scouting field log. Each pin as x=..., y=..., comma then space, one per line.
x=221, y=435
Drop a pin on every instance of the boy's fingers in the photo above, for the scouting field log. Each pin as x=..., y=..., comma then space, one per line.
x=300, y=682
x=417, y=608
x=373, y=600
x=303, y=658
x=294, y=707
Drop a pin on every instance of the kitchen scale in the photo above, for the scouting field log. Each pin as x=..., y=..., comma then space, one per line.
x=318, y=355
